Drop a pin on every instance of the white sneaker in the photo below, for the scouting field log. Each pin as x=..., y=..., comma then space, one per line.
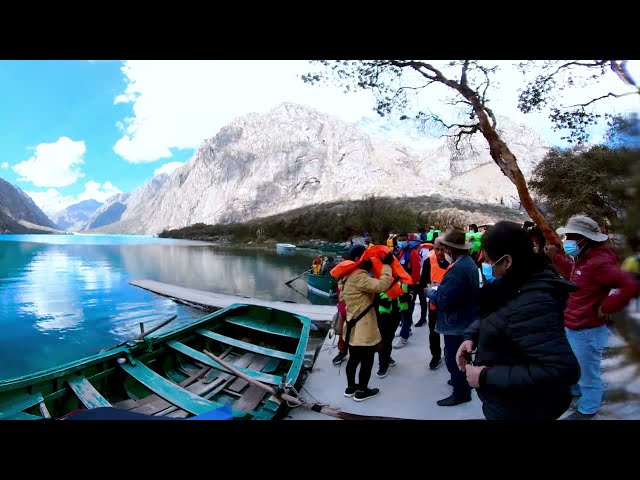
x=400, y=342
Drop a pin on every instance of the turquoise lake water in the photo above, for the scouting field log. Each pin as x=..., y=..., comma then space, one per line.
x=63, y=297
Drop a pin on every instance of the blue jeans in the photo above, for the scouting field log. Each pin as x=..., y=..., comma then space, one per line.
x=588, y=345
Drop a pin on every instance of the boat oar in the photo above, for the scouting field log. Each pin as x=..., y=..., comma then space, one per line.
x=293, y=279
x=316, y=407
x=144, y=334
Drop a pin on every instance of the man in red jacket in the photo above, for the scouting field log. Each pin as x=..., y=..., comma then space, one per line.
x=593, y=267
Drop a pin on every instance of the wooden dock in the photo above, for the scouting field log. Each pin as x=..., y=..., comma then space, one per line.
x=211, y=300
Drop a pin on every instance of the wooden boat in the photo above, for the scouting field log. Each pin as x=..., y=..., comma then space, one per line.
x=168, y=374
x=324, y=285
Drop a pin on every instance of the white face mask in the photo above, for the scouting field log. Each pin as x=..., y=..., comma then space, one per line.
x=448, y=258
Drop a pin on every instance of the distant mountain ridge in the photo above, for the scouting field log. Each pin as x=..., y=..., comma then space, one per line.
x=20, y=214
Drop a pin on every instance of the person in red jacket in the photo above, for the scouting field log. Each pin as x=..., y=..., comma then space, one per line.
x=593, y=267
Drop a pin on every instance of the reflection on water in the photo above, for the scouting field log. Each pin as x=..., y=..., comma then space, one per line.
x=63, y=297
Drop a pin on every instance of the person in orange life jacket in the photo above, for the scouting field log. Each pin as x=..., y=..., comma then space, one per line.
x=433, y=272
x=595, y=271
x=358, y=291
x=409, y=258
x=342, y=316
x=456, y=301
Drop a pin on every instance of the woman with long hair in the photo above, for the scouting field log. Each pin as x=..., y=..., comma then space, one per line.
x=524, y=367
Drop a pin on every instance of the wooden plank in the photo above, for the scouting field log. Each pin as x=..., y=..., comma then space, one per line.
x=9, y=408
x=269, y=352
x=43, y=410
x=87, y=393
x=256, y=365
x=207, y=389
x=250, y=400
x=317, y=313
x=272, y=328
x=169, y=391
x=204, y=359
x=22, y=416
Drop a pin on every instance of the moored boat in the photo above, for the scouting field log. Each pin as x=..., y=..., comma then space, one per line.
x=285, y=247
x=170, y=375
x=324, y=285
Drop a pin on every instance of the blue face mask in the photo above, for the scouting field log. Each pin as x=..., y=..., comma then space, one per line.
x=414, y=243
x=571, y=247
x=487, y=271
x=402, y=245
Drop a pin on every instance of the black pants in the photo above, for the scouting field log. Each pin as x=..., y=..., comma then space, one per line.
x=362, y=356
x=461, y=388
x=424, y=306
x=434, y=337
x=387, y=324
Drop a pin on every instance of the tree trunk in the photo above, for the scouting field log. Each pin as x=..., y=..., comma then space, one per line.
x=508, y=163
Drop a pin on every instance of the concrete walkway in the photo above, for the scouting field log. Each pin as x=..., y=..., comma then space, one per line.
x=410, y=390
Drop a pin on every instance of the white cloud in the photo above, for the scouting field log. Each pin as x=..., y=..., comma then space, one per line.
x=53, y=164
x=5, y=165
x=177, y=104
x=168, y=168
x=52, y=201
x=96, y=191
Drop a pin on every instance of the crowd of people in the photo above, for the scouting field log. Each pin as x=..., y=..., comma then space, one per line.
x=523, y=322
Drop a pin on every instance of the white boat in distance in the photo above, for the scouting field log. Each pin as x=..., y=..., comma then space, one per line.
x=285, y=247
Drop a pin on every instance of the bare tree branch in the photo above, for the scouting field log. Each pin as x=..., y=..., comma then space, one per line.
x=615, y=95
x=463, y=78
x=620, y=69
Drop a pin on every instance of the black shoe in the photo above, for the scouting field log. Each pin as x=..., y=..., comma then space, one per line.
x=337, y=360
x=363, y=395
x=350, y=391
x=577, y=415
x=420, y=323
x=392, y=362
x=449, y=382
x=452, y=401
x=435, y=363
x=382, y=372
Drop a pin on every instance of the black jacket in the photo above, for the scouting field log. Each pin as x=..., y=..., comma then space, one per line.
x=521, y=339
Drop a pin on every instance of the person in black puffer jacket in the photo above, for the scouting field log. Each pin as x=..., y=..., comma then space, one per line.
x=524, y=367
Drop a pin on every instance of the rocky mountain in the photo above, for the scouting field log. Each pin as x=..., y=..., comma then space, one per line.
x=19, y=213
x=75, y=217
x=294, y=156
x=133, y=203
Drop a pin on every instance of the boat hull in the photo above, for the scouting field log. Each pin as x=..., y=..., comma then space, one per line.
x=169, y=375
x=324, y=285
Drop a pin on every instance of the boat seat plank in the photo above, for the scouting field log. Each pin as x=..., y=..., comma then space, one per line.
x=86, y=393
x=18, y=403
x=170, y=391
x=269, y=352
x=23, y=416
x=262, y=326
x=204, y=359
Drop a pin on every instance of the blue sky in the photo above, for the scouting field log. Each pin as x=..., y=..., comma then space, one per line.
x=73, y=130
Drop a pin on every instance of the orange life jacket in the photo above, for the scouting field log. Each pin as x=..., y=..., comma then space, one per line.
x=376, y=254
x=437, y=272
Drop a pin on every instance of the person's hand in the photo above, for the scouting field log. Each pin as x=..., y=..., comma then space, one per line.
x=388, y=258
x=551, y=251
x=431, y=293
x=600, y=314
x=473, y=375
x=464, y=351
x=366, y=265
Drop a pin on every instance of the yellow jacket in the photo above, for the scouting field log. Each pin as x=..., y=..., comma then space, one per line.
x=357, y=291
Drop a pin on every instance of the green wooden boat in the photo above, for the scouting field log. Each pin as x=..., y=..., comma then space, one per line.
x=168, y=374
x=324, y=285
